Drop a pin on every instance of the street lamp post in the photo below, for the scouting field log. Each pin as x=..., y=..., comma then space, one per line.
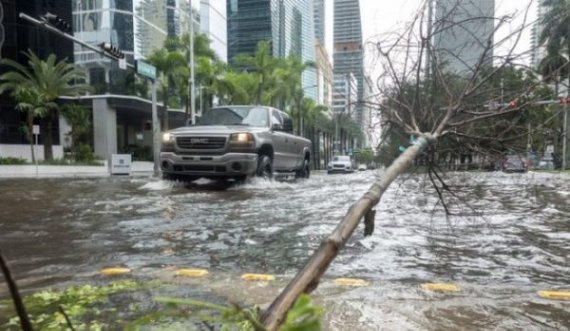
x=565, y=135
x=192, y=93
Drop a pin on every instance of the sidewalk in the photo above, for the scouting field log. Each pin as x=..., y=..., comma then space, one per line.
x=138, y=168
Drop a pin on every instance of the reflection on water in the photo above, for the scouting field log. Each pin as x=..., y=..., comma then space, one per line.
x=508, y=238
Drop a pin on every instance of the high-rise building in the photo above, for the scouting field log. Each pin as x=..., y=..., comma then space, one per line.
x=467, y=34
x=286, y=24
x=348, y=55
x=213, y=23
x=121, y=109
x=325, y=76
x=137, y=27
x=345, y=95
x=17, y=36
x=319, y=9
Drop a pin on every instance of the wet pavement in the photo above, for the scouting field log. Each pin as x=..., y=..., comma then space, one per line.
x=508, y=238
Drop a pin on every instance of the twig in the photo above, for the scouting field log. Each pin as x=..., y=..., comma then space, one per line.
x=67, y=320
x=18, y=303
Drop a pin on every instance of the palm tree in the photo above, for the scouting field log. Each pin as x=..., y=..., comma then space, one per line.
x=556, y=34
x=261, y=64
x=35, y=88
x=78, y=117
x=170, y=62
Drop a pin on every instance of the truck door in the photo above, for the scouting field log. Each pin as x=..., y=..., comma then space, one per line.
x=280, y=142
x=294, y=143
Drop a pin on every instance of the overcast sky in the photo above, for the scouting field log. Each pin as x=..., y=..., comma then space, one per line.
x=384, y=16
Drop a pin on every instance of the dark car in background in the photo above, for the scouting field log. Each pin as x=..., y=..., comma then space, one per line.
x=514, y=163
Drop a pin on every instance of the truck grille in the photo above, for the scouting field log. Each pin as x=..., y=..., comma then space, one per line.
x=201, y=142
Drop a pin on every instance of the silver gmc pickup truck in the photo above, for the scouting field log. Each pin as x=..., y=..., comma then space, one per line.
x=235, y=142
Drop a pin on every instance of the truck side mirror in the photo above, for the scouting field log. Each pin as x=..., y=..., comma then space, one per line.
x=287, y=125
x=277, y=127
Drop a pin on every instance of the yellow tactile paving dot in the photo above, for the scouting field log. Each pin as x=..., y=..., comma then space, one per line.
x=441, y=287
x=350, y=282
x=555, y=295
x=258, y=277
x=114, y=271
x=189, y=272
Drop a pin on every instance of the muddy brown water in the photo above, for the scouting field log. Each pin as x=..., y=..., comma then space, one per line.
x=508, y=238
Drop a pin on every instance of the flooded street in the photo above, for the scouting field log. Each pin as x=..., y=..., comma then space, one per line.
x=508, y=238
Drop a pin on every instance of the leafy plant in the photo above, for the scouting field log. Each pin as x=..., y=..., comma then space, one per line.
x=84, y=305
x=12, y=161
x=303, y=316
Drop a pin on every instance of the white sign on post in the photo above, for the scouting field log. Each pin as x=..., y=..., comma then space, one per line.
x=36, y=129
x=123, y=63
x=121, y=164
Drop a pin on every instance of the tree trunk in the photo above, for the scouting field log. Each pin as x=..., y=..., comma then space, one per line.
x=308, y=278
x=48, y=131
x=30, y=124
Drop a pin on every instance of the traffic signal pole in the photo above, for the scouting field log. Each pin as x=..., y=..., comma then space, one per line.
x=155, y=124
x=565, y=137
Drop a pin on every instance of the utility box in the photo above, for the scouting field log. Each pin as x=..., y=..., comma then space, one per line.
x=121, y=164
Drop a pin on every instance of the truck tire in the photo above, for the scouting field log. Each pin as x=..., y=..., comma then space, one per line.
x=264, y=167
x=305, y=171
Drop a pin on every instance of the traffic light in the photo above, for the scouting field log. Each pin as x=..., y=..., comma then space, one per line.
x=113, y=50
x=57, y=22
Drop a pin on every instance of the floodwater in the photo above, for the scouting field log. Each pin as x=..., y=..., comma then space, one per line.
x=508, y=237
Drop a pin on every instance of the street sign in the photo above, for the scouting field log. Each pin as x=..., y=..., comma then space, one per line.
x=145, y=69
x=36, y=129
x=123, y=63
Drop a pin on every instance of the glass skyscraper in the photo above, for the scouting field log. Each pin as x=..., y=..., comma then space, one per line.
x=348, y=55
x=136, y=27
x=213, y=23
x=287, y=24
x=466, y=28
x=319, y=6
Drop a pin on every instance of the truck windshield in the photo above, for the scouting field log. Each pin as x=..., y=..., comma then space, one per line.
x=251, y=116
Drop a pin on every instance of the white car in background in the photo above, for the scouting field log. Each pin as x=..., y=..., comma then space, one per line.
x=362, y=167
x=340, y=164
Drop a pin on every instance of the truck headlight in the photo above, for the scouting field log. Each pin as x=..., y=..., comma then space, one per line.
x=167, y=138
x=241, y=138
x=241, y=142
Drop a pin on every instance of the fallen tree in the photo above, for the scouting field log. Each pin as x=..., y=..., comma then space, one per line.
x=423, y=98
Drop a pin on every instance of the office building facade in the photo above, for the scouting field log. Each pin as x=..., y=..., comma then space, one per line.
x=319, y=9
x=467, y=34
x=325, y=76
x=17, y=36
x=345, y=95
x=287, y=24
x=348, y=54
x=213, y=23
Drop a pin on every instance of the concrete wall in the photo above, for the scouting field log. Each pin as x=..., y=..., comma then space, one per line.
x=24, y=151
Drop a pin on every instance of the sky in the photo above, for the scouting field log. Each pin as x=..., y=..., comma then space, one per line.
x=380, y=17
x=383, y=16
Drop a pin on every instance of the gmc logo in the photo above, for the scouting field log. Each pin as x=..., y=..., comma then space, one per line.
x=198, y=141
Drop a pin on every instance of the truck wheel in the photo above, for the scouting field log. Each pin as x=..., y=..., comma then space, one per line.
x=264, y=167
x=305, y=171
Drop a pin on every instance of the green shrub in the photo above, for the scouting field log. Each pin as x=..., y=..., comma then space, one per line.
x=84, y=153
x=12, y=160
